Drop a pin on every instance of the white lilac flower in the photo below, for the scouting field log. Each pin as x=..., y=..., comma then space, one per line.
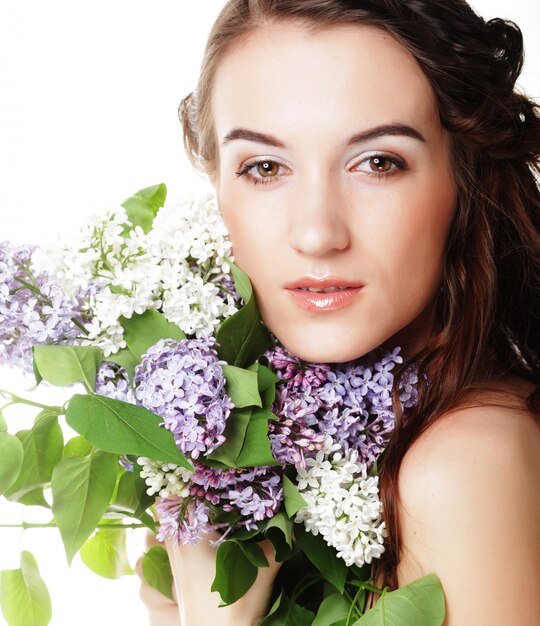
x=164, y=479
x=343, y=504
x=179, y=267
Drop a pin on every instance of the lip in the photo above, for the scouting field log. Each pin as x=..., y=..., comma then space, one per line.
x=323, y=302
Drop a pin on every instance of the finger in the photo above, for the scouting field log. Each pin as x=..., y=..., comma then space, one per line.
x=150, y=540
x=165, y=617
x=138, y=568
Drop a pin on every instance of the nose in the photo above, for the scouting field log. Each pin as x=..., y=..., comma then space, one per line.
x=318, y=224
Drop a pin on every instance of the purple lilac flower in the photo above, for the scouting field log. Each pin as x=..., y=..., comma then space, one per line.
x=182, y=520
x=33, y=309
x=298, y=373
x=112, y=381
x=292, y=434
x=183, y=382
x=256, y=492
x=351, y=402
x=226, y=286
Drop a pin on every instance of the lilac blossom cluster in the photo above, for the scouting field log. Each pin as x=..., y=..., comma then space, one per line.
x=254, y=493
x=350, y=402
x=183, y=382
x=182, y=520
x=347, y=404
x=33, y=309
x=342, y=504
x=112, y=381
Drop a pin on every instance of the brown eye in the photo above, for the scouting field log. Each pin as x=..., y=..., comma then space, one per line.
x=380, y=164
x=267, y=169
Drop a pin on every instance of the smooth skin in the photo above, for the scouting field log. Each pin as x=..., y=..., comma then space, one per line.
x=376, y=211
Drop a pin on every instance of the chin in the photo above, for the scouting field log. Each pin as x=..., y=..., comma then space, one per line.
x=327, y=349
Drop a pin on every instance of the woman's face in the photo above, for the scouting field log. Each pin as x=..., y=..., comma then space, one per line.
x=342, y=208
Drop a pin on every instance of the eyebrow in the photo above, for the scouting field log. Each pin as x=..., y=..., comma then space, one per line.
x=371, y=133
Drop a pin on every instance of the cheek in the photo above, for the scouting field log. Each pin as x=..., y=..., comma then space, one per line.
x=252, y=251
x=412, y=250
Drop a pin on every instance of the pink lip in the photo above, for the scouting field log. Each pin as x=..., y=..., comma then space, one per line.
x=319, y=301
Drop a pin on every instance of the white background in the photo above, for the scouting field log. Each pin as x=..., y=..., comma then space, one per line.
x=88, y=115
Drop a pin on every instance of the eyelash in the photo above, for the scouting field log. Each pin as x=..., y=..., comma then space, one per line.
x=244, y=171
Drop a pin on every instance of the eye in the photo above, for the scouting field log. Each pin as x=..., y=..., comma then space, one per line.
x=265, y=171
x=382, y=165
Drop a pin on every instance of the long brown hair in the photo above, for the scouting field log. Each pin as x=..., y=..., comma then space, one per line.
x=487, y=321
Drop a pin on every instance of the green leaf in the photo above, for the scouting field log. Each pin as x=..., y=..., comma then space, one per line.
x=131, y=499
x=37, y=375
x=242, y=386
x=293, y=500
x=3, y=425
x=256, y=449
x=106, y=554
x=82, y=487
x=34, y=498
x=77, y=446
x=279, y=532
x=64, y=365
x=267, y=380
x=235, y=572
x=235, y=433
x=126, y=359
x=242, y=338
x=143, y=206
x=332, y=609
x=254, y=553
x=282, y=523
x=157, y=571
x=126, y=495
x=420, y=603
x=323, y=556
x=242, y=283
x=285, y=612
x=43, y=448
x=144, y=330
x=24, y=597
x=123, y=428
x=11, y=453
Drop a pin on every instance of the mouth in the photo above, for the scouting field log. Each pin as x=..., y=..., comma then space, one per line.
x=327, y=290
x=324, y=295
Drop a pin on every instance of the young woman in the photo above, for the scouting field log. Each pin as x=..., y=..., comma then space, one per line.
x=376, y=169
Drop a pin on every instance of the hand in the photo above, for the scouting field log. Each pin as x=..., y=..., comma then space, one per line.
x=161, y=610
x=194, y=568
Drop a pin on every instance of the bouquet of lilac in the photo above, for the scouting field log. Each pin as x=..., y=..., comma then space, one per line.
x=191, y=413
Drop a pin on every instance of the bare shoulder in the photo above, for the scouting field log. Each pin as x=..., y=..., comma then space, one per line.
x=470, y=512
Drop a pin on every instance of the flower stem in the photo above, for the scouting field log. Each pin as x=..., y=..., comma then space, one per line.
x=353, y=608
x=79, y=325
x=27, y=525
x=367, y=586
x=32, y=287
x=14, y=399
x=299, y=590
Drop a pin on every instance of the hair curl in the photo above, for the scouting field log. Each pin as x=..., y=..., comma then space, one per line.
x=488, y=308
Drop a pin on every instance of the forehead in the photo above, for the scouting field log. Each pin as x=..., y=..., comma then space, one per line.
x=291, y=80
